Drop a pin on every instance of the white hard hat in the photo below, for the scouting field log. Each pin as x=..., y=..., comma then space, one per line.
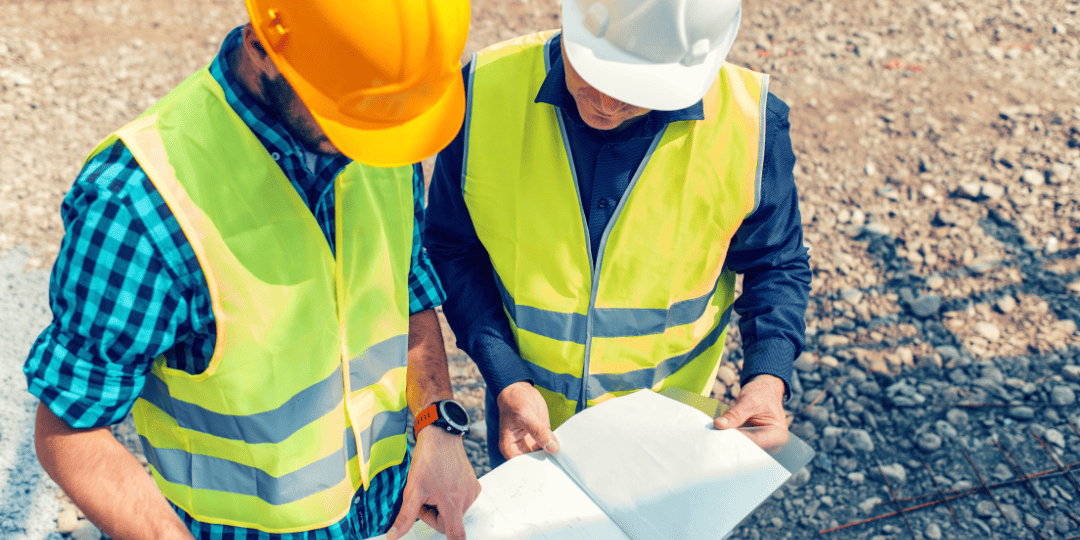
x=656, y=54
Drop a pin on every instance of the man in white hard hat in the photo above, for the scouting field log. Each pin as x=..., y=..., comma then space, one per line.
x=590, y=218
x=242, y=272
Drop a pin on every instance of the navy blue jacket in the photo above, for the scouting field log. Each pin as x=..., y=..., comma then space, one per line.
x=767, y=249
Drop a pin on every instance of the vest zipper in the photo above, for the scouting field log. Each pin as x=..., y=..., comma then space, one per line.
x=594, y=286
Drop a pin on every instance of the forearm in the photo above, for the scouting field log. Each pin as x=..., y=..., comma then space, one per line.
x=473, y=306
x=772, y=309
x=428, y=379
x=105, y=480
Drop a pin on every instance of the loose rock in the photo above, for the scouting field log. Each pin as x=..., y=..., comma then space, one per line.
x=1062, y=396
x=929, y=442
x=926, y=305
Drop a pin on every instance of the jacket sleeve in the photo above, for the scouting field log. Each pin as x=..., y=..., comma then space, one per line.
x=473, y=306
x=768, y=251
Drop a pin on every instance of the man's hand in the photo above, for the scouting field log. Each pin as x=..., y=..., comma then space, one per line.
x=524, y=425
x=441, y=486
x=760, y=404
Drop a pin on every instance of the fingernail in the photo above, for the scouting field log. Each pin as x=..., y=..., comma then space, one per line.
x=723, y=422
x=550, y=447
x=392, y=533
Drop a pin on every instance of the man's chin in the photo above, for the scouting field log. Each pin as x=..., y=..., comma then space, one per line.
x=601, y=123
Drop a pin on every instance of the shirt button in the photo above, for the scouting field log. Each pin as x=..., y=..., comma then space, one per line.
x=276, y=156
x=356, y=500
x=602, y=203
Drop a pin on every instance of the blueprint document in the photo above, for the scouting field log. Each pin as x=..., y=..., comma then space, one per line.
x=638, y=467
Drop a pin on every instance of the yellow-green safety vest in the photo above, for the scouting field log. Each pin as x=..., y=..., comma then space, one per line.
x=303, y=401
x=652, y=311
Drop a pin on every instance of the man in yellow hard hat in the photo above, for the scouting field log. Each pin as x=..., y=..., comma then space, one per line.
x=591, y=216
x=242, y=271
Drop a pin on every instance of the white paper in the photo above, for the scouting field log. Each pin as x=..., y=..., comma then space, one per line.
x=528, y=498
x=660, y=470
x=651, y=468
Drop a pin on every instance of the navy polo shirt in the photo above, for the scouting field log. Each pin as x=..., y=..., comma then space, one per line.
x=767, y=249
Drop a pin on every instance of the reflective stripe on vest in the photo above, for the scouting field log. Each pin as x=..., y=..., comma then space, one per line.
x=653, y=310
x=311, y=349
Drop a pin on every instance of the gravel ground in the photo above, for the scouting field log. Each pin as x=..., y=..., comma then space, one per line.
x=28, y=498
x=938, y=147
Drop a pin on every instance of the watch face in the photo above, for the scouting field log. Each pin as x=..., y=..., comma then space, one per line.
x=455, y=414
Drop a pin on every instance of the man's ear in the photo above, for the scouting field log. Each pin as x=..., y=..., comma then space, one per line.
x=251, y=41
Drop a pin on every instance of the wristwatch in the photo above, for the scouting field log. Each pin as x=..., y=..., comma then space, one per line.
x=446, y=414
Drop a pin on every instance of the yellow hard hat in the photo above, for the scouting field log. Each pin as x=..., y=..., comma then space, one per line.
x=382, y=78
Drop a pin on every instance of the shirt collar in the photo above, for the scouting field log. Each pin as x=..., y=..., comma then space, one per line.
x=266, y=127
x=553, y=92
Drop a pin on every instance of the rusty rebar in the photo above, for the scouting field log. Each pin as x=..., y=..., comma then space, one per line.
x=823, y=392
x=1033, y=476
x=938, y=488
x=1056, y=461
x=952, y=495
x=1039, y=534
x=1020, y=473
x=892, y=494
x=983, y=482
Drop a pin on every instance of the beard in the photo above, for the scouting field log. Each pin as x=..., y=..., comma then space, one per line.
x=285, y=105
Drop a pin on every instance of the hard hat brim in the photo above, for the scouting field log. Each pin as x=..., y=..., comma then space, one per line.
x=401, y=144
x=627, y=78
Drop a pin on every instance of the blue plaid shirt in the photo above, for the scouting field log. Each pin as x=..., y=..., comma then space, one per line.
x=126, y=287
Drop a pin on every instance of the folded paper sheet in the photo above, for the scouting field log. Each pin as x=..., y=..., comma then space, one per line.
x=638, y=467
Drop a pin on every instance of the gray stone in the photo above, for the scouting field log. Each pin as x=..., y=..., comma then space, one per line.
x=1055, y=438
x=800, y=478
x=870, y=388
x=818, y=415
x=1011, y=513
x=895, y=473
x=851, y=296
x=858, y=439
x=957, y=417
x=805, y=362
x=1071, y=373
x=1062, y=523
x=86, y=532
x=868, y=505
x=1002, y=472
x=1022, y=413
x=856, y=477
x=929, y=442
x=1062, y=396
x=1032, y=521
x=478, y=430
x=933, y=532
x=985, y=509
x=945, y=430
x=926, y=306
x=947, y=352
x=934, y=282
